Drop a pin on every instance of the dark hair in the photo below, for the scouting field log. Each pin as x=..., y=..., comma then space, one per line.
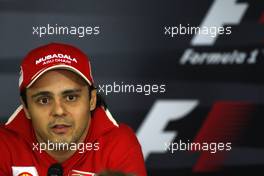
x=99, y=99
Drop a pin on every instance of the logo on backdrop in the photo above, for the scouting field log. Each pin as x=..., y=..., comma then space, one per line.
x=151, y=133
x=222, y=12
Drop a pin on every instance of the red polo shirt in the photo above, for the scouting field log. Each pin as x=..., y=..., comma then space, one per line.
x=112, y=147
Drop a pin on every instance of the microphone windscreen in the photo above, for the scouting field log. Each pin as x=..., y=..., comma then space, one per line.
x=55, y=170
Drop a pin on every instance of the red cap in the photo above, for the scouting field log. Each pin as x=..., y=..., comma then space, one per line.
x=54, y=56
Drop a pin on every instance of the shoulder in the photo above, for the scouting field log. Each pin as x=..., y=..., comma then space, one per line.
x=123, y=151
x=13, y=150
x=123, y=130
x=6, y=134
x=123, y=133
x=120, y=139
x=8, y=138
x=8, y=144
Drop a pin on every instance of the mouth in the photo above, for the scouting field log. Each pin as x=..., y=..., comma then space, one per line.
x=60, y=128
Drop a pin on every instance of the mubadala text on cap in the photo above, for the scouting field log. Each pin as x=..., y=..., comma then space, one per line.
x=51, y=56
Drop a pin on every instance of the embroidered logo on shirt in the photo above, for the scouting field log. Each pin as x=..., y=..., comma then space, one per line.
x=80, y=173
x=24, y=171
x=25, y=174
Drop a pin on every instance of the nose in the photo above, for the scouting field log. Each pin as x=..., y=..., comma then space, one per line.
x=58, y=109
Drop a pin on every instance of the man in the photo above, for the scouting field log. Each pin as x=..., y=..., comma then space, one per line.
x=61, y=126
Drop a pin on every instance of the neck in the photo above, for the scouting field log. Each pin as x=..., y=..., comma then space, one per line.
x=61, y=156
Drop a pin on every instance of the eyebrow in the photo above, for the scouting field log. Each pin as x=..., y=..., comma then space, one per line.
x=42, y=93
x=47, y=93
x=70, y=91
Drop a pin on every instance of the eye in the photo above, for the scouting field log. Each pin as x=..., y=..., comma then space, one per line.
x=71, y=97
x=43, y=100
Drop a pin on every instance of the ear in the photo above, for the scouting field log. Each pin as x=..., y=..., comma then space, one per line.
x=25, y=109
x=93, y=100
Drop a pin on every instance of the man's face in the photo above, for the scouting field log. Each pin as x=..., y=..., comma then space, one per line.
x=59, y=107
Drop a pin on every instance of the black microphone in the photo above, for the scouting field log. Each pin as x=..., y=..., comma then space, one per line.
x=55, y=170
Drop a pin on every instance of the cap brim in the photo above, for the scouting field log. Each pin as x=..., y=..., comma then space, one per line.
x=66, y=67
